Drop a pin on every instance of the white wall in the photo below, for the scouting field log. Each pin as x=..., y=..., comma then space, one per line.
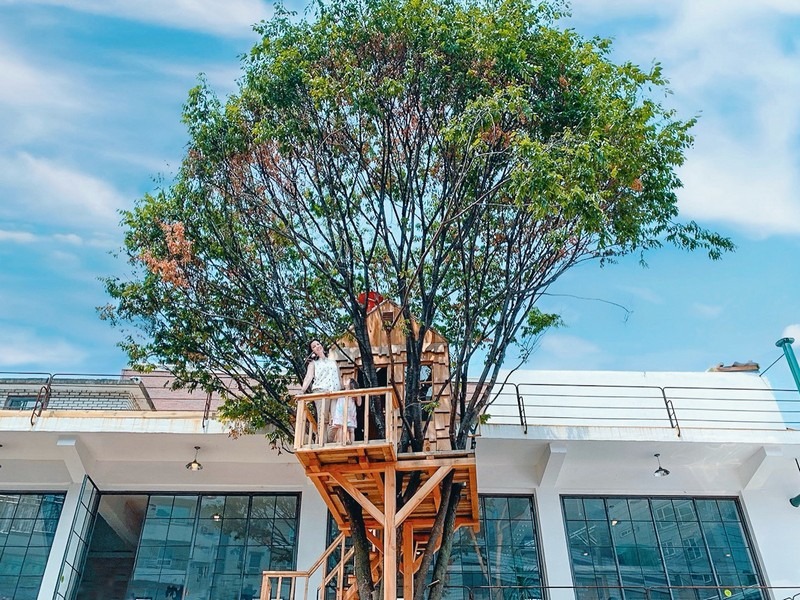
x=774, y=525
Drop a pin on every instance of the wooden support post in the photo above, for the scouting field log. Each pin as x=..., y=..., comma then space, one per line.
x=300, y=424
x=408, y=560
x=390, y=536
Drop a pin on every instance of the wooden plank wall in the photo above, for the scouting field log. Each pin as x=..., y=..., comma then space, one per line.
x=387, y=338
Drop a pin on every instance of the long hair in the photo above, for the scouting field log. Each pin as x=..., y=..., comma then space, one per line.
x=313, y=355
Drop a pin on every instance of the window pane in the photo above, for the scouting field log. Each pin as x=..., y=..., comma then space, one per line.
x=286, y=507
x=191, y=547
x=573, y=508
x=659, y=542
x=727, y=508
x=263, y=507
x=160, y=507
x=184, y=507
x=211, y=506
x=27, y=524
x=236, y=507
x=595, y=509
x=618, y=509
x=503, y=553
x=495, y=507
x=640, y=509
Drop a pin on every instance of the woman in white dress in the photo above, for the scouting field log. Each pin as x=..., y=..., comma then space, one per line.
x=344, y=426
x=322, y=375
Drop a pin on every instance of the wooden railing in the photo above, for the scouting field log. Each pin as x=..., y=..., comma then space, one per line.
x=310, y=434
x=273, y=583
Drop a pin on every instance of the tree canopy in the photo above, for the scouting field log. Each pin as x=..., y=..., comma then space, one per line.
x=456, y=156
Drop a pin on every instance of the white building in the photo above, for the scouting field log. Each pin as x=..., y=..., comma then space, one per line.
x=96, y=500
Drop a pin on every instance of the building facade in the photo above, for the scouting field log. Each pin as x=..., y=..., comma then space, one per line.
x=96, y=500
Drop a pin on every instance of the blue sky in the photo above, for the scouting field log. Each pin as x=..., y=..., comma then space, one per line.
x=90, y=99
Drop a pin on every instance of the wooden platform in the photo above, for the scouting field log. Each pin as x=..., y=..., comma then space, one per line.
x=373, y=473
x=360, y=469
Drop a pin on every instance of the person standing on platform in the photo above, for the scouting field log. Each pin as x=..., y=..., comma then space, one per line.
x=345, y=419
x=322, y=375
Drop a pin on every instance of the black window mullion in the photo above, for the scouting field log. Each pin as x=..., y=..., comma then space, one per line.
x=708, y=549
x=661, y=548
x=192, y=541
x=613, y=549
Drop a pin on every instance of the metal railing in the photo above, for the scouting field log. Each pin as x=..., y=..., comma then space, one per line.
x=528, y=405
x=700, y=592
x=281, y=585
x=36, y=391
x=673, y=407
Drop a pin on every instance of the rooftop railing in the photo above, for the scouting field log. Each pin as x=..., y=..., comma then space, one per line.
x=527, y=405
x=37, y=392
x=673, y=407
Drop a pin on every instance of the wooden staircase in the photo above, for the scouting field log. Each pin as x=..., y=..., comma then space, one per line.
x=369, y=471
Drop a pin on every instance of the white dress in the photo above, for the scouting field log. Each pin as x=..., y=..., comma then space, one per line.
x=338, y=412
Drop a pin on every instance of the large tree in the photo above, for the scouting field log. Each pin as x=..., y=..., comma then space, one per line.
x=457, y=156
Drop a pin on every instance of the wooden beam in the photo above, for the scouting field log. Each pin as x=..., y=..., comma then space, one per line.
x=348, y=468
x=390, y=536
x=408, y=560
x=359, y=497
x=422, y=493
x=425, y=463
x=376, y=477
x=327, y=499
x=376, y=541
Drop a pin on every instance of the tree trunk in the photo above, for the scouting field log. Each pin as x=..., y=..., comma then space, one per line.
x=437, y=531
x=443, y=557
x=361, y=545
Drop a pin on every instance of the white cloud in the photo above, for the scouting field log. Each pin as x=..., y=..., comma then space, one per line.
x=36, y=98
x=792, y=331
x=98, y=240
x=728, y=62
x=17, y=237
x=224, y=17
x=65, y=260
x=750, y=186
x=707, y=311
x=645, y=294
x=561, y=345
x=69, y=238
x=19, y=348
x=44, y=191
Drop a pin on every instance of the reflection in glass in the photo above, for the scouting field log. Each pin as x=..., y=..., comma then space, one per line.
x=187, y=547
x=656, y=545
x=27, y=525
x=503, y=554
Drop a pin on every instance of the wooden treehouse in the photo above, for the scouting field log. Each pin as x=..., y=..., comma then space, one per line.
x=368, y=468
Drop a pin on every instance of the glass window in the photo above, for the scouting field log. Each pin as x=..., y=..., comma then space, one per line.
x=503, y=555
x=500, y=561
x=27, y=526
x=189, y=547
x=657, y=545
